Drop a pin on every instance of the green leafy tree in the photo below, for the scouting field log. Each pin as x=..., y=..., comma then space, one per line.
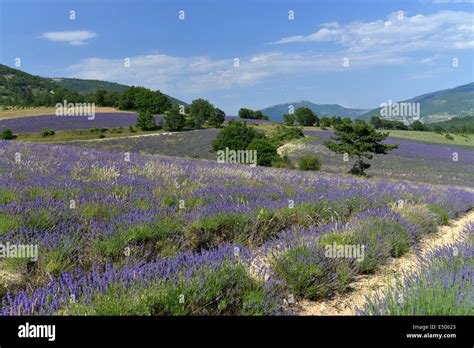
x=217, y=118
x=347, y=120
x=127, y=99
x=111, y=99
x=418, y=126
x=152, y=101
x=100, y=97
x=289, y=119
x=252, y=115
x=335, y=120
x=7, y=134
x=258, y=115
x=359, y=140
x=144, y=99
x=245, y=113
x=266, y=151
x=146, y=121
x=200, y=111
x=236, y=136
x=376, y=122
x=325, y=121
x=305, y=116
x=174, y=120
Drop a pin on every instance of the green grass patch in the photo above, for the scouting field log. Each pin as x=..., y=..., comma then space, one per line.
x=8, y=223
x=435, y=138
x=441, y=213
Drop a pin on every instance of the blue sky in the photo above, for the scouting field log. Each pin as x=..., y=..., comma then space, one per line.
x=395, y=49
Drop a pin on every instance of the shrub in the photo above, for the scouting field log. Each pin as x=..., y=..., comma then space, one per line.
x=420, y=215
x=441, y=286
x=7, y=134
x=47, y=132
x=289, y=119
x=210, y=232
x=337, y=238
x=441, y=213
x=283, y=134
x=236, y=136
x=449, y=136
x=282, y=162
x=309, y=162
x=223, y=289
x=384, y=234
x=162, y=234
x=308, y=273
x=266, y=151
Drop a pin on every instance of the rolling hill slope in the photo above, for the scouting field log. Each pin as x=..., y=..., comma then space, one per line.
x=20, y=88
x=440, y=105
x=276, y=112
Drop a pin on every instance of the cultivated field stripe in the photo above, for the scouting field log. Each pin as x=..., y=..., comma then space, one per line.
x=367, y=285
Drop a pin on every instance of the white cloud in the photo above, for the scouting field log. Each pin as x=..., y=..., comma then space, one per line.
x=75, y=38
x=189, y=75
x=418, y=40
x=443, y=30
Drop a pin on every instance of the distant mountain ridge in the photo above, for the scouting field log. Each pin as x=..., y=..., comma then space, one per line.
x=17, y=87
x=276, y=112
x=440, y=105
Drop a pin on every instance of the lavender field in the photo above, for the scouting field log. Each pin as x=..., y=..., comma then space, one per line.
x=154, y=235
x=193, y=144
x=33, y=124
x=412, y=161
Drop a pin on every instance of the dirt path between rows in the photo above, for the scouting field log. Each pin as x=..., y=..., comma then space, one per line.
x=366, y=285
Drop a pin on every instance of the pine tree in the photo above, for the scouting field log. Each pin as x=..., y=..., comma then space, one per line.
x=359, y=140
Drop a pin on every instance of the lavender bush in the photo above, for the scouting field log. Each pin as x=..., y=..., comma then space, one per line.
x=442, y=285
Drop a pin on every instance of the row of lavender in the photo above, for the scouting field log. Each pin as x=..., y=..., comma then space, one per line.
x=442, y=285
x=180, y=235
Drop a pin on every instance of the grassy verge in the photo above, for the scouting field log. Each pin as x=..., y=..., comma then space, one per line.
x=82, y=134
x=435, y=138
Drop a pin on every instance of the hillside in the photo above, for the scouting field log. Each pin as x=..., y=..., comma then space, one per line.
x=440, y=105
x=83, y=86
x=88, y=86
x=276, y=112
x=20, y=88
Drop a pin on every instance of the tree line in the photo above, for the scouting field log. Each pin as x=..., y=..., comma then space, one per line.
x=177, y=117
